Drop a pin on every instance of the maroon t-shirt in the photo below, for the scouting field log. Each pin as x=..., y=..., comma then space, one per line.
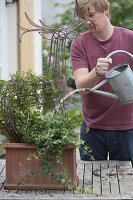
x=98, y=111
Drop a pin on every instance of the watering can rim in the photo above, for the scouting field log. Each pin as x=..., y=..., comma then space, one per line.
x=115, y=67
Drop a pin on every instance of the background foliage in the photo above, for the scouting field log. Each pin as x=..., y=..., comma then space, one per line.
x=121, y=14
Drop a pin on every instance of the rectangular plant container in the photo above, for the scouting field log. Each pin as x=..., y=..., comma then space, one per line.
x=22, y=173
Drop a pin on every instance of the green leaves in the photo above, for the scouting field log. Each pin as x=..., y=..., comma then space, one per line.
x=121, y=13
x=26, y=115
x=23, y=98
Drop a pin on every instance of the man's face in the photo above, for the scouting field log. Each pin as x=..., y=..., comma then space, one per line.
x=95, y=20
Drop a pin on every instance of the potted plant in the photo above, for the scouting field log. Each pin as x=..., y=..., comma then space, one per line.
x=41, y=147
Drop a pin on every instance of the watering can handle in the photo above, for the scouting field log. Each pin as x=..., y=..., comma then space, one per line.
x=111, y=54
x=119, y=51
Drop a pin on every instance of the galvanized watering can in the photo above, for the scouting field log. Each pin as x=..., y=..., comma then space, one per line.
x=120, y=79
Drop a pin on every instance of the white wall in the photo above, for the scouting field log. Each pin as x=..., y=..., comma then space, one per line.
x=8, y=40
x=12, y=33
x=3, y=41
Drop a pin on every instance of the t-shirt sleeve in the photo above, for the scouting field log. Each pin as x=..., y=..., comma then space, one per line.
x=78, y=58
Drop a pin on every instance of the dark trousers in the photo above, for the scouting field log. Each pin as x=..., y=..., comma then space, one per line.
x=115, y=145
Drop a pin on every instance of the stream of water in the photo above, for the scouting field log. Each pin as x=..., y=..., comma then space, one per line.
x=68, y=95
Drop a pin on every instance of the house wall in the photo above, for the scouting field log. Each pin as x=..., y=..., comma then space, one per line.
x=26, y=47
x=12, y=35
x=8, y=40
x=30, y=48
x=15, y=56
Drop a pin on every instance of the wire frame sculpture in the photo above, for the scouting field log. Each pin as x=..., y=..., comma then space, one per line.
x=58, y=38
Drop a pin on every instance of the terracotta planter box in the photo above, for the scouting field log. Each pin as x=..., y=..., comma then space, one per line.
x=26, y=174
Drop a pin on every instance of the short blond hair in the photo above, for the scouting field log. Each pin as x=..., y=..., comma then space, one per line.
x=82, y=6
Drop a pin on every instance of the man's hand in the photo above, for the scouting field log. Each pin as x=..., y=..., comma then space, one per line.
x=102, y=66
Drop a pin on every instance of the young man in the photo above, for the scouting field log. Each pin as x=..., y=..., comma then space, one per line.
x=107, y=126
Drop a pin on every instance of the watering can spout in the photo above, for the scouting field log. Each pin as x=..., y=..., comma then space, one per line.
x=106, y=94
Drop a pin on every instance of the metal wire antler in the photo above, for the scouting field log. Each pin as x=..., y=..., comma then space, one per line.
x=58, y=38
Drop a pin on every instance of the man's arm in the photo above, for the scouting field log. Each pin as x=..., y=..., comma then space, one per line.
x=85, y=79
